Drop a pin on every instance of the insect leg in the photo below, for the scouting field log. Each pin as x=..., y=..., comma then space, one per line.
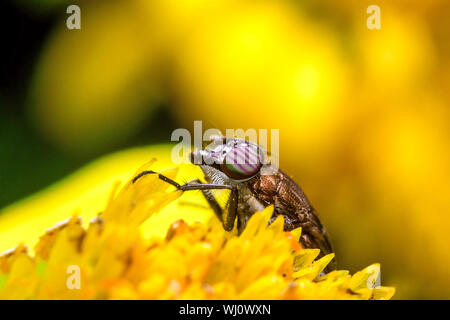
x=184, y=187
x=160, y=176
x=211, y=201
x=228, y=222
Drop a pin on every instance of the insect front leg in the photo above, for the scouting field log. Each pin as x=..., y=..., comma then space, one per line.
x=228, y=220
x=160, y=176
x=213, y=203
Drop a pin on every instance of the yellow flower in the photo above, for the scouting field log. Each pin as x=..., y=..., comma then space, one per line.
x=112, y=258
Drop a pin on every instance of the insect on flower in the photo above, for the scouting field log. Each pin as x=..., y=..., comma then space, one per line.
x=237, y=165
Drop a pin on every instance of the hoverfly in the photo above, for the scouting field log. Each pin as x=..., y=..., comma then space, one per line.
x=236, y=165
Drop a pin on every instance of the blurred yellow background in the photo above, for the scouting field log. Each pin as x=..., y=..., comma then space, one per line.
x=363, y=114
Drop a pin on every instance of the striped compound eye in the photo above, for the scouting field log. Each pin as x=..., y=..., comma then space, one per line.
x=241, y=162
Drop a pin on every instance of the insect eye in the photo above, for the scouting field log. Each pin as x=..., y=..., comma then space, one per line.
x=241, y=162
